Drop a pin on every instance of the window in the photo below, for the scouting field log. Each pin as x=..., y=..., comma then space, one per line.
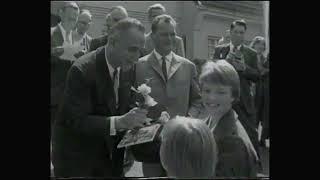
x=212, y=42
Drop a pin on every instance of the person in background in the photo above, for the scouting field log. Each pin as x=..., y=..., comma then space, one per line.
x=188, y=149
x=225, y=39
x=220, y=89
x=244, y=60
x=61, y=35
x=116, y=14
x=173, y=81
x=262, y=88
x=80, y=37
x=178, y=46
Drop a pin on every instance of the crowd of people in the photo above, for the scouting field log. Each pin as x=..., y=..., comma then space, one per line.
x=215, y=105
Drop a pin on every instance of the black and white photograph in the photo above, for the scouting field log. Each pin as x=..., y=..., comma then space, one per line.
x=159, y=89
x=140, y=136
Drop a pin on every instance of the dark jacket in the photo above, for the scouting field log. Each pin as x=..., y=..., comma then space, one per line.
x=82, y=144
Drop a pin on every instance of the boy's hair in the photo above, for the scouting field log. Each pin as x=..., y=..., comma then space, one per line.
x=221, y=73
x=188, y=149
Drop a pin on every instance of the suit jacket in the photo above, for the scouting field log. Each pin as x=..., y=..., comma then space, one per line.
x=98, y=42
x=178, y=45
x=58, y=69
x=248, y=76
x=82, y=132
x=237, y=156
x=180, y=92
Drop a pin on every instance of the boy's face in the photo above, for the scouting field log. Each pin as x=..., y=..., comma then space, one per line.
x=217, y=99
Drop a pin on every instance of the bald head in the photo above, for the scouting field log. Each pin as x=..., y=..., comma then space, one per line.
x=116, y=14
x=84, y=21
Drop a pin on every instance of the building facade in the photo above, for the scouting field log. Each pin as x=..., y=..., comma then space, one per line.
x=200, y=23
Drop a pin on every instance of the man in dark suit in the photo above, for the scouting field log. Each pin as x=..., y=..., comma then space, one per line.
x=94, y=112
x=60, y=35
x=244, y=60
x=116, y=14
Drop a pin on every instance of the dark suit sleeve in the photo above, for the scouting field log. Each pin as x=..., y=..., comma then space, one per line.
x=94, y=44
x=234, y=158
x=251, y=72
x=195, y=97
x=216, y=54
x=76, y=107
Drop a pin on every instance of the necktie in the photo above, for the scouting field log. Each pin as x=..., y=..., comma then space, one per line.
x=164, y=68
x=116, y=85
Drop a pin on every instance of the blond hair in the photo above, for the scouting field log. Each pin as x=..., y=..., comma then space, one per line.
x=188, y=149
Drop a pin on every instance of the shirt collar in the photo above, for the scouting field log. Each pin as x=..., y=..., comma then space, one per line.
x=231, y=46
x=111, y=69
x=64, y=33
x=158, y=56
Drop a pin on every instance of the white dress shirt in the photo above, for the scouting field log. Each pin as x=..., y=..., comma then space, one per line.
x=167, y=57
x=115, y=88
x=64, y=35
x=232, y=46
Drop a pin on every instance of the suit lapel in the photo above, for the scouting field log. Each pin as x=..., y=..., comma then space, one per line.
x=175, y=64
x=104, y=81
x=155, y=65
x=225, y=51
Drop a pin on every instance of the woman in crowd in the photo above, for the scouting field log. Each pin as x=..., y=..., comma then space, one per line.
x=188, y=149
x=262, y=87
x=220, y=88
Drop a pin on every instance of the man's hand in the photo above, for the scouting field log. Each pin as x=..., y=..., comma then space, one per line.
x=134, y=119
x=57, y=51
x=79, y=54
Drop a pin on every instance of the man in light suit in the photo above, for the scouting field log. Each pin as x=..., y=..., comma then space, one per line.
x=94, y=112
x=61, y=34
x=178, y=46
x=173, y=78
x=244, y=60
x=80, y=36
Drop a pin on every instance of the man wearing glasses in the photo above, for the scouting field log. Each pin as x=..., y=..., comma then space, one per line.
x=80, y=37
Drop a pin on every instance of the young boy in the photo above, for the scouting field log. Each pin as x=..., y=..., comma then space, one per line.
x=220, y=88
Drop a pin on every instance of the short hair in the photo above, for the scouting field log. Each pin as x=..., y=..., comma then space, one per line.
x=155, y=6
x=124, y=25
x=121, y=8
x=165, y=18
x=258, y=39
x=222, y=73
x=86, y=11
x=239, y=23
x=70, y=4
x=188, y=148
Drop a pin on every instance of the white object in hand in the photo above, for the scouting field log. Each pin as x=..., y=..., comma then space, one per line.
x=144, y=89
x=164, y=117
